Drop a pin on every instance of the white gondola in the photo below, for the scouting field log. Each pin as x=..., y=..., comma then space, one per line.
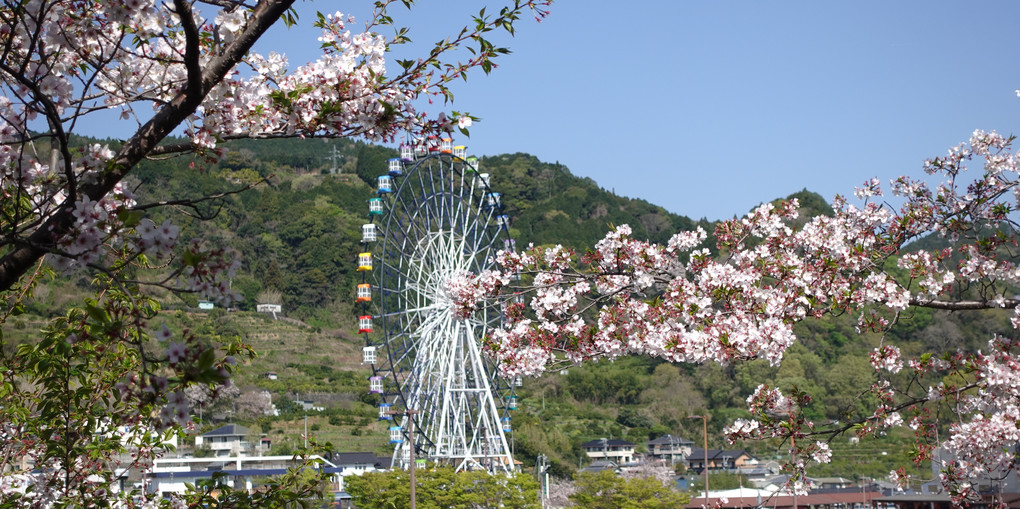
x=518, y=381
x=385, y=184
x=396, y=167
x=492, y=200
x=368, y=232
x=375, y=384
x=368, y=355
x=407, y=152
x=484, y=178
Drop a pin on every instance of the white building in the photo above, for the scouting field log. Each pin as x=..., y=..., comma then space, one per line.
x=620, y=452
x=227, y=440
x=169, y=475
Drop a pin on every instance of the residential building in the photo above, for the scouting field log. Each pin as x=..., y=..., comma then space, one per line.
x=357, y=463
x=170, y=475
x=227, y=440
x=670, y=449
x=619, y=451
x=720, y=460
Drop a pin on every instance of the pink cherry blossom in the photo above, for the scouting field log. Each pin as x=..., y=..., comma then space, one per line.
x=682, y=303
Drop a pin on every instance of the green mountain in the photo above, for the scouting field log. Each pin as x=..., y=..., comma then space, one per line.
x=299, y=231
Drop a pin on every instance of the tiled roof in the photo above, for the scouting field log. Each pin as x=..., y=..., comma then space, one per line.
x=670, y=439
x=227, y=430
x=612, y=442
x=355, y=458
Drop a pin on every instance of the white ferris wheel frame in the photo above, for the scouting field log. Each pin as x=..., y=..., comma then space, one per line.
x=440, y=218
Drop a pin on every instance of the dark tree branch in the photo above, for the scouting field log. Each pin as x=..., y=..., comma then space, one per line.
x=26, y=252
x=965, y=305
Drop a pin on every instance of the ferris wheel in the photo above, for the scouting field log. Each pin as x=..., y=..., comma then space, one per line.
x=435, y=216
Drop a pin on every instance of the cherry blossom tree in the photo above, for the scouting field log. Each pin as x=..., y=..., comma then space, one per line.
x=110, y=368
x=684, y=303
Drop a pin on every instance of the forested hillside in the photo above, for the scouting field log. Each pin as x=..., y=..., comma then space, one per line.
x=298, y=230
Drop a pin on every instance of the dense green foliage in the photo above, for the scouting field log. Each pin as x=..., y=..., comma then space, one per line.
x=551, y=206
x=606, y=490
x=442, y=488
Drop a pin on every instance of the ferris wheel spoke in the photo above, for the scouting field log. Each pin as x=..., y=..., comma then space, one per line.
x=428, y=190
x=411, y=310
x=472, y=217
x=480, y=235
x=407, y=226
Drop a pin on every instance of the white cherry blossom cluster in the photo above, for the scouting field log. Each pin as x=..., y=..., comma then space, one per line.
x=887, y=357
x=208, y=272
x=342, y=93
x=97, y=226
x=683, y=303
x=157, y=241
x=185, y=357
x=522, y=349
x=465, y=290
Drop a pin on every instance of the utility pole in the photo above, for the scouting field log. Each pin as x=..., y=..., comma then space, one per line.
x=334, y=158
x=793, y=459
x=410, y=417
x=409, y=413
x=704, y=422
x=541, y=469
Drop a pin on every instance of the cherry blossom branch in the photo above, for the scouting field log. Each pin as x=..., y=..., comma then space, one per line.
x=965, y=305
x=207, y=198
x=14, y=264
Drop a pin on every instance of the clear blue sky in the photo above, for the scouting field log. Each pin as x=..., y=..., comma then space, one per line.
x=709, y=108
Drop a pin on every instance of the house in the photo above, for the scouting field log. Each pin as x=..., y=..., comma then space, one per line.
x=309, y=406
x=227, y=440
x=670, y=449
x=827, y=483
x=172, y=475
x=619, y=451
x=357, y=463
x=720, y=460
x=745, y=498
